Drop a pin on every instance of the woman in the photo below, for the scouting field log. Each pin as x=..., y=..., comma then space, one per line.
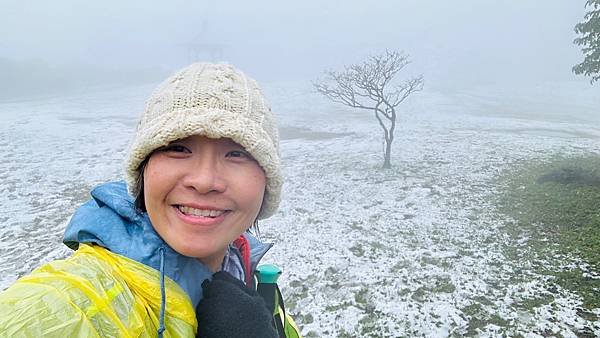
x=168, y=252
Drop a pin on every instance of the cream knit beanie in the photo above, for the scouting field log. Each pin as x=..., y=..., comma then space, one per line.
x=213, y=100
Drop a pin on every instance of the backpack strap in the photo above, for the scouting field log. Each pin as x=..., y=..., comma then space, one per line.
x=272, y=297
x=286, y=327
x=279, y=319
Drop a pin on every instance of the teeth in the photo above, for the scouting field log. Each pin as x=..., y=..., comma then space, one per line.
x=200, y=212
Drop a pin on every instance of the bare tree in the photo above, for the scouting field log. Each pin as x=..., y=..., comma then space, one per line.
x=369, y=86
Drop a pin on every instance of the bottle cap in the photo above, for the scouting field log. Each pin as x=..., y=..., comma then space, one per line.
x=268, y=273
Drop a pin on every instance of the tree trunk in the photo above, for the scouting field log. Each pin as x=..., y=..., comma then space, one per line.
x=387, y=164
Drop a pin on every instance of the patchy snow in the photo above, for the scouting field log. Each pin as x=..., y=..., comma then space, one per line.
x=417, y=250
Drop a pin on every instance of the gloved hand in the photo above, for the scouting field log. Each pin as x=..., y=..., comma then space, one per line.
x=230, y=309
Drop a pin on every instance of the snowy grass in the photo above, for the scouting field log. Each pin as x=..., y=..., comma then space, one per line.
x=418, y=250
x=558, y=202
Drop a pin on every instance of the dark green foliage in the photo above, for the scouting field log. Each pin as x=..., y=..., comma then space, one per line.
x=589, y=39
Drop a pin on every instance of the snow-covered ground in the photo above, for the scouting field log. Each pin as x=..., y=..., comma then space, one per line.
x=417, y=250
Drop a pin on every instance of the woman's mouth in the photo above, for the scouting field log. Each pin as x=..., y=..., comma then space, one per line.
x=189, y=211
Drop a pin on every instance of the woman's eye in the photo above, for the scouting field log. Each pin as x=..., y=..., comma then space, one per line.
x=175, y=148
x=238, y=154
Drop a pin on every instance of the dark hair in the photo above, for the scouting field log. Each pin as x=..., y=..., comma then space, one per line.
x=254, y=229
x=140, y=203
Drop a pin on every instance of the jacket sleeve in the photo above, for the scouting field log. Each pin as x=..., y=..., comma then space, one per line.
x=37, y=309
x=94, y=293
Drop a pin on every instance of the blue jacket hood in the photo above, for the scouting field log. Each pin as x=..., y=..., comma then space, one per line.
x=110, y=220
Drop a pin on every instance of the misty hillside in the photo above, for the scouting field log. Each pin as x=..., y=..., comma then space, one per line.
x=26, y=79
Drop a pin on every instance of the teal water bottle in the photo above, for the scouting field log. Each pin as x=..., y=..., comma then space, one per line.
x=267, y=276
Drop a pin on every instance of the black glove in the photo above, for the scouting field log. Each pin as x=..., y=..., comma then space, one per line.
x=230, y=309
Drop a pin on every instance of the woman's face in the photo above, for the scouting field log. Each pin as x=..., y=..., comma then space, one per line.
x=201, y=194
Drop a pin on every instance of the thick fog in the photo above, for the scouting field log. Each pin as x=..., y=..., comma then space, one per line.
x=453, y=43
x=486, y=224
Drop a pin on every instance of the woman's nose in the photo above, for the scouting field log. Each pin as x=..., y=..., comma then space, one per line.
x=205, y=175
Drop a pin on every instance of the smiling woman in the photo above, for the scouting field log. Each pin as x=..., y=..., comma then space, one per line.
x=201, y=194
x=168, y=252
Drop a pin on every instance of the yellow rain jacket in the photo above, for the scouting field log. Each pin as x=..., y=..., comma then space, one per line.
x=94, y=293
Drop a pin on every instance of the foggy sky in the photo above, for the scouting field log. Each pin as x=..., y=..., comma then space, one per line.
x=461, y=42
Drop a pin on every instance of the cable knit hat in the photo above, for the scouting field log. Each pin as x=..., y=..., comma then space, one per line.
x=213, y=100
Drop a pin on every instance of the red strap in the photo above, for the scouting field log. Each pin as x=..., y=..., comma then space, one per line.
x=242, y=244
